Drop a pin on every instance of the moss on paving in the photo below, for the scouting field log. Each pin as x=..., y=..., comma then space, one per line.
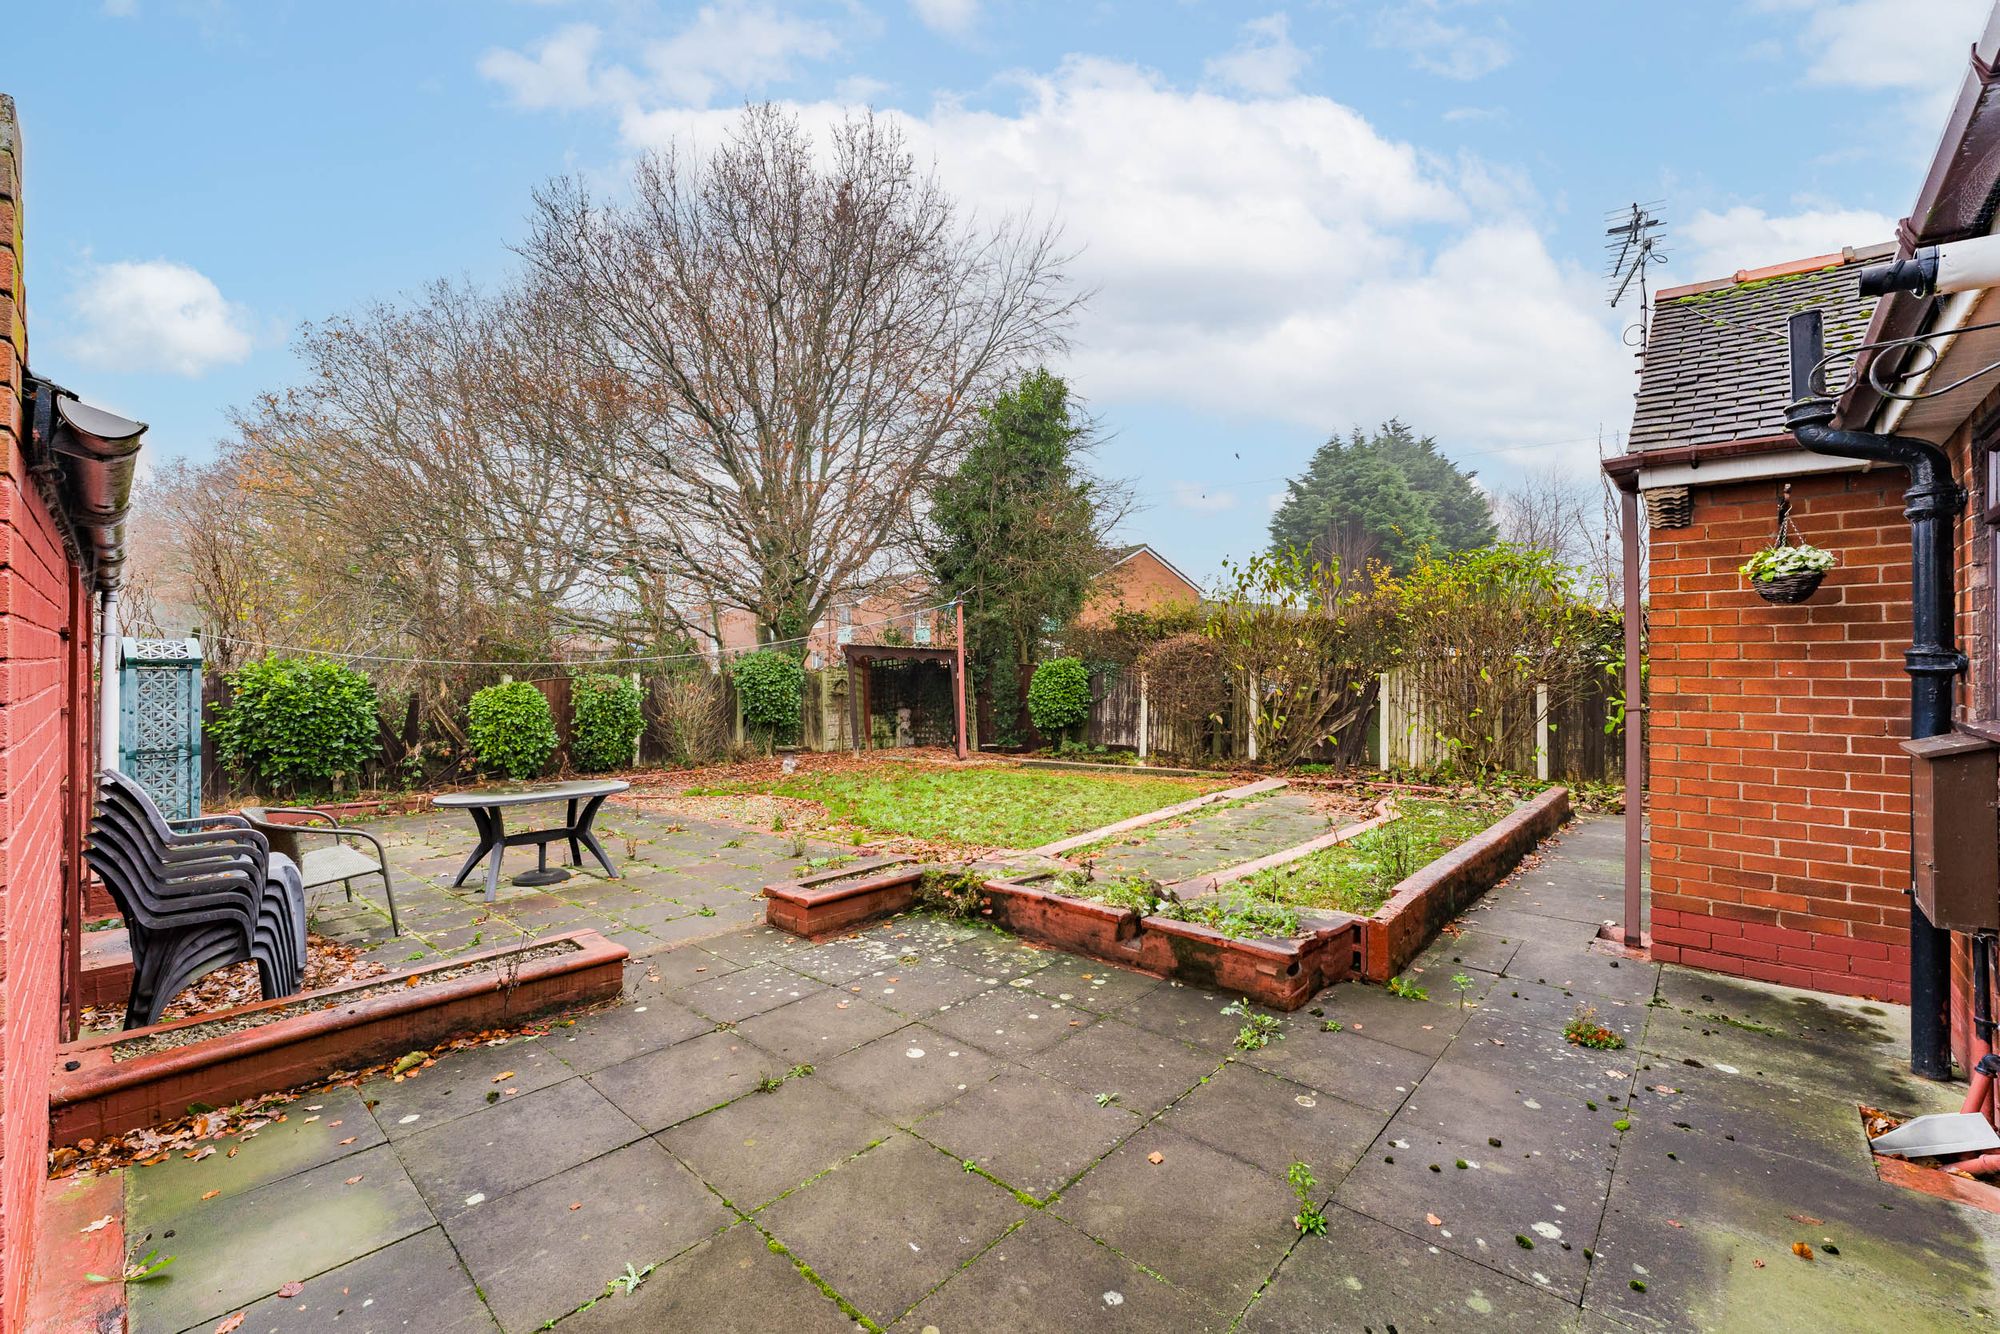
x=1358, y=876
x=989, y=805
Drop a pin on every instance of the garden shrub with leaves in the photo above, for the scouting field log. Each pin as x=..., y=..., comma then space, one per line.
x=1059, y=695
x=605, y=721
x=771, y=687
x=297, y=722
x=511, y=729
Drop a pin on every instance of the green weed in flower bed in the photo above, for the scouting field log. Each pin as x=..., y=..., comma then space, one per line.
x=1358, y=876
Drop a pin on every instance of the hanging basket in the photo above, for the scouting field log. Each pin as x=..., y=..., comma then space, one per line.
x=1789, y=589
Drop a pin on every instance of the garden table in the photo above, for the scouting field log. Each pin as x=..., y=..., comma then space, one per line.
x=488, y=807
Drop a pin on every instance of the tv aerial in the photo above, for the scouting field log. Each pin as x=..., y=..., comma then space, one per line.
x=1632, y=243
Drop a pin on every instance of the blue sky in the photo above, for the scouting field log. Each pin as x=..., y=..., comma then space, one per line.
x=1295, y=217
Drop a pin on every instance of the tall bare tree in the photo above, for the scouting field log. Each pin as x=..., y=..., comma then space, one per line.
x=1572, y=518
x=808, y=330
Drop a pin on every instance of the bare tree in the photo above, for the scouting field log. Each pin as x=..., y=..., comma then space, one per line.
x=807, y=335
x=1573, y=519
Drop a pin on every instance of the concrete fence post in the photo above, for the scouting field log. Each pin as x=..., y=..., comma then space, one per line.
x=1143, y=720
x=1384, y=706
x=1542, y=732
x=639, y=737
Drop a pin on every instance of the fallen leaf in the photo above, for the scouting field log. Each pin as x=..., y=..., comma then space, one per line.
x=98, y=1226
x=309, y=1120
x=352, y=1180
x=1803, y=1251
x=234, y=1149
x=1806, y=1219
x=1433, y=1220
x=574, y=1207
x=1758, y=1263
x=1156, y=1158
x=1673, y=1222
x=197, y=1155
x=291, y=1289
x=230, y=1324
x=502, y=1077
x=350, y=1139
x=210, y=1194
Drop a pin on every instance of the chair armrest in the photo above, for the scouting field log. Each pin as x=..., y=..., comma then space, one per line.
x=195, y=823
x=302, y=810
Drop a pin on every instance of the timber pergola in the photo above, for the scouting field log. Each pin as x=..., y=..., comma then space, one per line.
x=860, y=656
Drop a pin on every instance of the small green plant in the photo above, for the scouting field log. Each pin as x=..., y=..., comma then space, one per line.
x=606, y=721
x=628, y=1282
x=1330, y=1026
x=1106, y=1099
x=1781, y=562
x=143, y=1270
x=297, y=722
x=704, y=911
x=1406, y=989
x=771, y=688
x=1258, y=1028
x=1310, y=1218
x=1584, y=1030
x=510, y=729
x=1462, y=983
x=1059, y=695
x=733, y=843
x=770, y=1084
x=799, y=1071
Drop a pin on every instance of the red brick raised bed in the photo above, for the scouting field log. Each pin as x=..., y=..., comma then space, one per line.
x=1440, y=891
x=835, y=902
x=94, y=1094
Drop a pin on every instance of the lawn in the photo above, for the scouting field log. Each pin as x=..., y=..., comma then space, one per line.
x=987, y=805
x=1358, y=876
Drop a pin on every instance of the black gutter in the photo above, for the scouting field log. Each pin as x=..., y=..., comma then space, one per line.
x=1932, y=504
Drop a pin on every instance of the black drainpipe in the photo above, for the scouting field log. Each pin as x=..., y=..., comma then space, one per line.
x=1931, y=504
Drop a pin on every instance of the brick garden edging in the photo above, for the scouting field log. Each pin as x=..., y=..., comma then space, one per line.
x=1433, y=895
x=93, y=1096
x=846, y=899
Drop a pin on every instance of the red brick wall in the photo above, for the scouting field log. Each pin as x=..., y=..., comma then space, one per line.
x=43, y=649
x=1779, y=800
x=1142, y=582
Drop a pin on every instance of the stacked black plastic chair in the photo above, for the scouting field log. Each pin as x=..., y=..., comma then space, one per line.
x=197, y=895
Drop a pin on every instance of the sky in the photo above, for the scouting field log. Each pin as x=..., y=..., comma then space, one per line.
x=1292, y=218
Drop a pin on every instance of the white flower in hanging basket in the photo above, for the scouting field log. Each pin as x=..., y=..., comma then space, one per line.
x=1783, y=562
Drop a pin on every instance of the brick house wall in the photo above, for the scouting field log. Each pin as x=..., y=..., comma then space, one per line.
x=1779, y=799
x=1140, y=582
x=44, y=755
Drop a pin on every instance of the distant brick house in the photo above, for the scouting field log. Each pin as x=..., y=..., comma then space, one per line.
x=1138, y=579
x=61, y=520
x=1777, y=792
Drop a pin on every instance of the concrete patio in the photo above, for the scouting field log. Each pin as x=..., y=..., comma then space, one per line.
x=930, y=1127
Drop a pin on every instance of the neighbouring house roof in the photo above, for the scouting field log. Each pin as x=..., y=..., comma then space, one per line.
x=1119, y=555
x=1717, y=362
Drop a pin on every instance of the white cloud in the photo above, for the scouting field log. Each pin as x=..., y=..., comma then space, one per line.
x=1914, y=46
x=1450, y=50
x=730, y=47
x=1276, y=255
x=1743, y=237
x=1265, y=63
x=1200, y=499
x=156, y=315
x=953, y=18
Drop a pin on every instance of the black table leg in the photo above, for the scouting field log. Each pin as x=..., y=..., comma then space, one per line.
x=485, y=842
x=575, y=853
x=580, y=829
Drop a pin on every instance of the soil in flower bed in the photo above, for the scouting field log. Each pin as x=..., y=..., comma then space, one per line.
x=328, y=964
x=1359, y=876
x=133, y=1048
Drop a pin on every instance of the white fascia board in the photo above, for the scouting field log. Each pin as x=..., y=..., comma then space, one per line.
x=1746, y=468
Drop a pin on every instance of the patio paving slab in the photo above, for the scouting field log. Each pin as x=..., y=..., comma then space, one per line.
x=1032, y=1132
x=1048, y=1278
x=415, y=1286
x=1010, y=1022
x=731, y=1284
x=1350, y=1065
x=310, y=1135
x=1557, y=961
x=1144, y=1070
x=458, y=1084
x=1092, y=984
x=1186, y=1014
x=919, y=990
x=1482, y=950
x=910, y=1072
x=1365, y=1275
x=1197, y=1218
x=761, y=1146
x=735, y=997
x=1001, y=958
x=544, y=1251
x=681, y=966
x=820, y=1027
x=611, y=1036
x=1426, y=1027
x=664, y=1088
x=515, y=1143
x=303, y=1224
x=887, y=1227
x=1271, y=1123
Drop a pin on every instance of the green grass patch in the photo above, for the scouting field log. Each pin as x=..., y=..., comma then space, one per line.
x=1359, y=875
x=1017, y=808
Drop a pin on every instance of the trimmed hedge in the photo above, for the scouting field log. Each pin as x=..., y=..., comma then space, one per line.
x=605, y=721
x=294, y=722
x=511, y=729
x=1059, y=695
